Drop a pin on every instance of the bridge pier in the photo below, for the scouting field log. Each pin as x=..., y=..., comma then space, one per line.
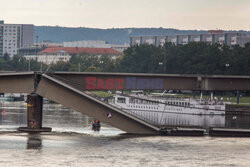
x=34, y=115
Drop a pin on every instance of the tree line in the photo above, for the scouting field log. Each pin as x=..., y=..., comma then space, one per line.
x=192, y=58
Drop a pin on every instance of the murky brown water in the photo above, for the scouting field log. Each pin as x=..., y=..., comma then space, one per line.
x=72, y=143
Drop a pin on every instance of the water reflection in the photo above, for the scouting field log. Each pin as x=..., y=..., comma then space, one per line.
x=34, y=141
x=56, y=115
x=204, y=121
x=237, y=121
x=12, y=114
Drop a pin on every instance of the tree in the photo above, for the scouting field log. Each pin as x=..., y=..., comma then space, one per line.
x=6, y=57
x=61, y=66
x=141, y=59
x=93, y=69
x=192, y=58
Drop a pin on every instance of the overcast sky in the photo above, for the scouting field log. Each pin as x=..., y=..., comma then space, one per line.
x=180, y=14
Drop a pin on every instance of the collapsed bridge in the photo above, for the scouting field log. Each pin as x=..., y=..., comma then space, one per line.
x=69, y=88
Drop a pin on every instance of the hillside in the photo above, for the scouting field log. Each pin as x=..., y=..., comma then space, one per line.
x=115, y=35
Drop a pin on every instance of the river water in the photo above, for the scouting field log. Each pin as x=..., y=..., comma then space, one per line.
x=73, y=143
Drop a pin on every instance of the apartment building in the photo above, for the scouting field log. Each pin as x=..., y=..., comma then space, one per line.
x=15, y=36
x=213, y=36
x=96, y=44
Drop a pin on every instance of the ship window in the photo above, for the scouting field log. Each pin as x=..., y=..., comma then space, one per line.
x=120, y=100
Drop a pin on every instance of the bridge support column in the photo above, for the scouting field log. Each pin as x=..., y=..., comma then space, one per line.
x=34, y=114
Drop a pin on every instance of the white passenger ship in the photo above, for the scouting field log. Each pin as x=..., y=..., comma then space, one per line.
x=163, y=111
x=169, y=105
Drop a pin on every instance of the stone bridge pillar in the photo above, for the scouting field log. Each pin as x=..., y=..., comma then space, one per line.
x=34, y=114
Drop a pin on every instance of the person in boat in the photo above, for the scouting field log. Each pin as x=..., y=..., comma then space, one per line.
x=96, y=125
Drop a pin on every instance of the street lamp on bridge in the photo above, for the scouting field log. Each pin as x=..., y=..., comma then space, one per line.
x=161, y=64
x=227, y=67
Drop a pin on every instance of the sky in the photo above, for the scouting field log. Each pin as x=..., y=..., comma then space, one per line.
x=179, y=14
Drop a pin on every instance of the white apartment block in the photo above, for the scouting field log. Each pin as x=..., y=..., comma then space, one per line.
x=221, y=37
x=15, y=36
x=87, y=44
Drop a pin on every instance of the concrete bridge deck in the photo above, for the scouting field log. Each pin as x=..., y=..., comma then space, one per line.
x=139, y=81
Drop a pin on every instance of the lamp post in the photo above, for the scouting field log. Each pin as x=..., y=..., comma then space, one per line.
x=164, y=65
x=79, y=67
x=41, y=68
x=101, y=62
x=227, y=66
x=29, y=65
x=161, y=64
x=36, y=45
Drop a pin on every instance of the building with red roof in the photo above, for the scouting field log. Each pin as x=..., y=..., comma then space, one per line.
x=76, y=50
x=52, y=55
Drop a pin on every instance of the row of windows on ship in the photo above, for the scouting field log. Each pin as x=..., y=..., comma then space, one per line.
x=139, y=101
x=154, y=108
x=175, y=103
